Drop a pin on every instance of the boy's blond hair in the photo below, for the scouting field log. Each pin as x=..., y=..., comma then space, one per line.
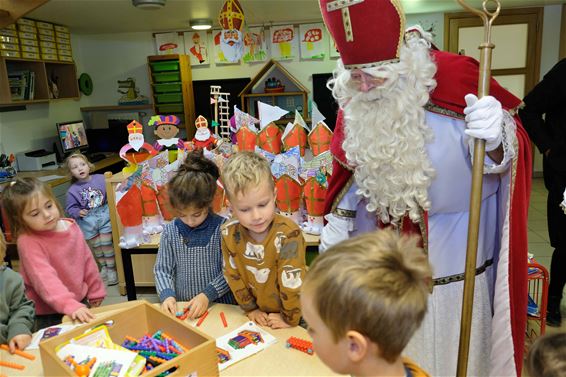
x=547, y=356
x=376, y=284
x=76, y=155
x=16, y=196
x=244, y=170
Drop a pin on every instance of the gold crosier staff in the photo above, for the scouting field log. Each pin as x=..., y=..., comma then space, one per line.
x=486, y=48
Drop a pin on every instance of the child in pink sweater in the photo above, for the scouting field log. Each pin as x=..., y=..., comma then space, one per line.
x=59, y=272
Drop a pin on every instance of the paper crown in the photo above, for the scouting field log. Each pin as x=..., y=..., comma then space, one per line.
x=201, y=122
x=158, y=120
x=231, y=16
x=135, y=127
x=367, y=33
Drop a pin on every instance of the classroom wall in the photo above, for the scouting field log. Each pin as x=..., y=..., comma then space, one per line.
x=111, y=57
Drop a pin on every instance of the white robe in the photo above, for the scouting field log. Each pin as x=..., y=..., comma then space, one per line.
x=435, y=345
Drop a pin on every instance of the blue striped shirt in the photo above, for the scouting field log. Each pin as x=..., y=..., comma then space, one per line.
x=189, y=262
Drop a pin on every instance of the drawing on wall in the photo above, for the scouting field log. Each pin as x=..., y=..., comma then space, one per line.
x=219, y=56
x=196, y=46
x=255, y=45
x=169, y=43
x=334, y=54
x=313, y=44
x=231, y=20
x=284, y=42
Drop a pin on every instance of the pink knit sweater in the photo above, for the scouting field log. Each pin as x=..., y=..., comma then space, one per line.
x=59, y=270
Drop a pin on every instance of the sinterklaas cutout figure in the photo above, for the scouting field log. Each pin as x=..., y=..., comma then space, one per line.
x=288, y=199
x=269, y=136
x=314, y=193
x=320, y=136
x=136, y=142
x=246, y=131
x=295, y=134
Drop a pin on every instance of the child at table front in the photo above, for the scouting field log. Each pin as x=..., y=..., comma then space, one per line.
x=189, y=260
x=264, y=252
x=59, y=272
x=86, y=203
x=363, y=299
x=16, y=310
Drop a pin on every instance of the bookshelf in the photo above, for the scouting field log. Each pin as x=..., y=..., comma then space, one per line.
x=18, y=76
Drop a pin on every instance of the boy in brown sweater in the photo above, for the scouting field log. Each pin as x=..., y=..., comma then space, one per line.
x=264, y=252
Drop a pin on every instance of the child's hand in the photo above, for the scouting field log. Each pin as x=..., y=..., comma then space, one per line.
x=95, y=303
x=169, y=305
x=259, y=317
x=83, y=315
x=198, y=306
x=83, y=212
x=19, y=342
x=275, y=321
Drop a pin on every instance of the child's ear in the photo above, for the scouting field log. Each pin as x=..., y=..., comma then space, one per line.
x=358, y=346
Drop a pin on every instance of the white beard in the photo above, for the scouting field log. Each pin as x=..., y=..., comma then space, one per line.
x=232, y=53
x=202, y=134
x=385, y=135
x=136, y=141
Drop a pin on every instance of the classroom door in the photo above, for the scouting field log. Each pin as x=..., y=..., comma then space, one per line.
x=517, y=36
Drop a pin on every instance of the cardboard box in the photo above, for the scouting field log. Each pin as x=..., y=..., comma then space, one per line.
x=48, y=32
x=25, y=21
x=61, y=29
x=64, y=58
x=27, y=29
x=136, y=321
x=30, y=55
x=44, y=25
x=29, y=42
x=10, y=54
x=47, y=38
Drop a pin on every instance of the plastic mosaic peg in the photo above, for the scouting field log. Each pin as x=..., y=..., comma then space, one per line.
x=300, y=344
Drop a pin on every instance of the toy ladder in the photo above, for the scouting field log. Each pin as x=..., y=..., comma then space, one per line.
x=224, y=107
x=214, y=93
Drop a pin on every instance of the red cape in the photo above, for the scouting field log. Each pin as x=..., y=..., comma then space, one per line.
x=456, y=76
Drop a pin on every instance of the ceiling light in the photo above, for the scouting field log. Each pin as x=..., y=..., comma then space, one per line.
x=201, y=24
x=149, y=4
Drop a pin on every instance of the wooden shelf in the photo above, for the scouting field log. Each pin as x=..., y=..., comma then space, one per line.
x=274, y=94
x=118, y=108
x=64, y=73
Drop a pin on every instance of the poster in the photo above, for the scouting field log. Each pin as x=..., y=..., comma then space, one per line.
x=169, y=43
x=196, y=46
x=334, y=54
x=219, y=57
x=255, y=45
x=284, y=42
x=313, y=41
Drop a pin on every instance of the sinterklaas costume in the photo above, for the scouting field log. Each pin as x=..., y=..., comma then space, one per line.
x=500, y=303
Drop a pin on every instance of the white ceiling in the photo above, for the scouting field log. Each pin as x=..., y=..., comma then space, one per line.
x=114, y=16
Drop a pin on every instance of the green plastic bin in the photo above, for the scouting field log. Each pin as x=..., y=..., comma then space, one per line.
x=169, y=98
x=167, y=76
x=170, y=108
x=166, y=65
x=167, y=87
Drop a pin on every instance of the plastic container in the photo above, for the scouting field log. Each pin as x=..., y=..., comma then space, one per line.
x=169, y=98
x=166, y=65
x=167, y=77
x=167, y=87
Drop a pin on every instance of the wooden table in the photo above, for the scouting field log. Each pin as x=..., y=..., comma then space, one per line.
x=276, y=360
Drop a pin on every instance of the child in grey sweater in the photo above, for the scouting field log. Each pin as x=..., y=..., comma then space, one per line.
x=16, y=310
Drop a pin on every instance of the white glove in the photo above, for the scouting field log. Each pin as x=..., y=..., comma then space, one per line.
x=484, y=119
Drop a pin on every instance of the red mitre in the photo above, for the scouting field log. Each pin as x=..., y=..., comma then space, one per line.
x=269, y=138
x=296, y=137
x=288, y=194
x=319, y=138
x=130, y=207
x=246, y=139
x=314, y=194
x=231, y=16
x=366, y=32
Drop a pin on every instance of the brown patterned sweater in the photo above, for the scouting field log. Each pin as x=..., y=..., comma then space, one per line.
x=267, y=275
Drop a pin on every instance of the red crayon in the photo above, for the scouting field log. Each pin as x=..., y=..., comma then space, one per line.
x=223, y=318
x=202, y=318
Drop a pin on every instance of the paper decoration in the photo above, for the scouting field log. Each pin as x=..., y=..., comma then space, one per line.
x=231, y=18
x=219, y=56
x=268, y=114
x=244, y=119
x=136, y=141
x=169, y=43
x=203, y=137
x=295, y=134
x=255, y=45
x=196, y=46
x=284, y=42
x=316, y=115
x=166, y=129
x=247, y=351
x=313, y=41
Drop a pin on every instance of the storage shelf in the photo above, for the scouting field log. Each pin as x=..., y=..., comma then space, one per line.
x=273, y=94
